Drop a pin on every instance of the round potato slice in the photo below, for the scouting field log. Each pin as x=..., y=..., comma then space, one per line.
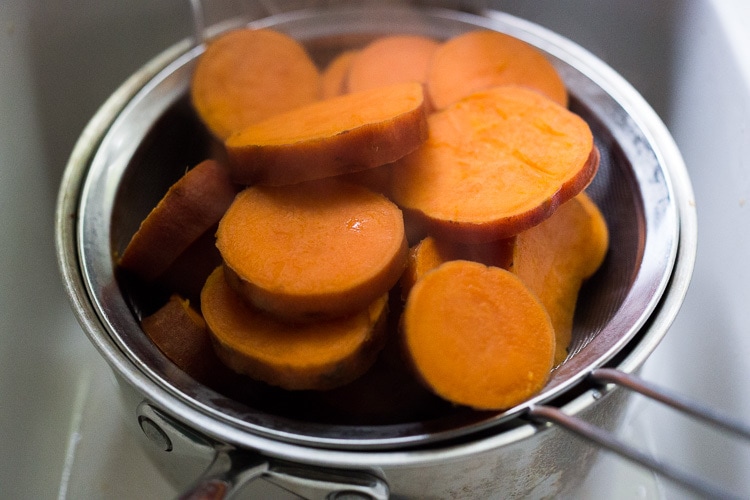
x=313, y=250
x=317, y=356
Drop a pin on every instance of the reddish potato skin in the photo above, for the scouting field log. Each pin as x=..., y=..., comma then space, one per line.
x=344, y=150
x=190, y=207
x=310, y=358
x=482, y=233
x=179, y=331
x=496, y=163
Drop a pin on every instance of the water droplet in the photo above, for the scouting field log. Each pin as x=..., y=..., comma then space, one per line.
x=354, y=224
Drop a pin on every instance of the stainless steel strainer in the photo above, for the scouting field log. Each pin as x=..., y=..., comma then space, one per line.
x=147, y=134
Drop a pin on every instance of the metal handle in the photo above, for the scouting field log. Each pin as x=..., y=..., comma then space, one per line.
x=228, y=470
x=231, y=471
x=199, y=21
x=226, y=475
x=606, y=440
x=676, y=401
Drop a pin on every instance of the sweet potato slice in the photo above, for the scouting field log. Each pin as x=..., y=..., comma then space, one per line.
x=477, y=336
x=179, y=331
x=423, y=257
x=481, y=59
x=432, y=252
x=343, y=134
x=313, y=250
x=496, y=163
x=247, y=75
x=189, y=271
x=376, y=179
x=191, y=205
x=333, y=78
x=389, y=60
x=315, y=356
x=555, y=257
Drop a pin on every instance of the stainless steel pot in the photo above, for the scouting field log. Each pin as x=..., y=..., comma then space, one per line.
x=146, y=134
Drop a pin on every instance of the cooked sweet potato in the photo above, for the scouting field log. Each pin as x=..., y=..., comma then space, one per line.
x=316, y=356
x=189, y=271
x=555, y=257
x=432, y=252
x=305, y=258
x=423, y=257
x=481, y=59
x=247, y=75
x=179, y=331
x=376, y=179
x=477, y=336
x=333, y=78
x=391, y=59
x=312, y=250
x=191, y=205
x=343, y=134
x=496, y=163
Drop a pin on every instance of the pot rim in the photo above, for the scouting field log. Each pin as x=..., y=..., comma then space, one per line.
x=161, y=397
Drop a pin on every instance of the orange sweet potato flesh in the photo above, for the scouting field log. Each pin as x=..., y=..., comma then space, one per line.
x=247, y=75
x=191, y=205
x=312, y=250
x=431, y=252
x=554, y=258
x=179, y=331
x=496, y=162
x=317, y=356
x=389, y=60
x=333, y=77
x=342, y=134
x=480, y=59
x=476, y=336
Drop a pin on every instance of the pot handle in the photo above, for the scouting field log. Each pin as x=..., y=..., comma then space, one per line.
x=225, y=475
x=606, y=440
x=232, y=470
